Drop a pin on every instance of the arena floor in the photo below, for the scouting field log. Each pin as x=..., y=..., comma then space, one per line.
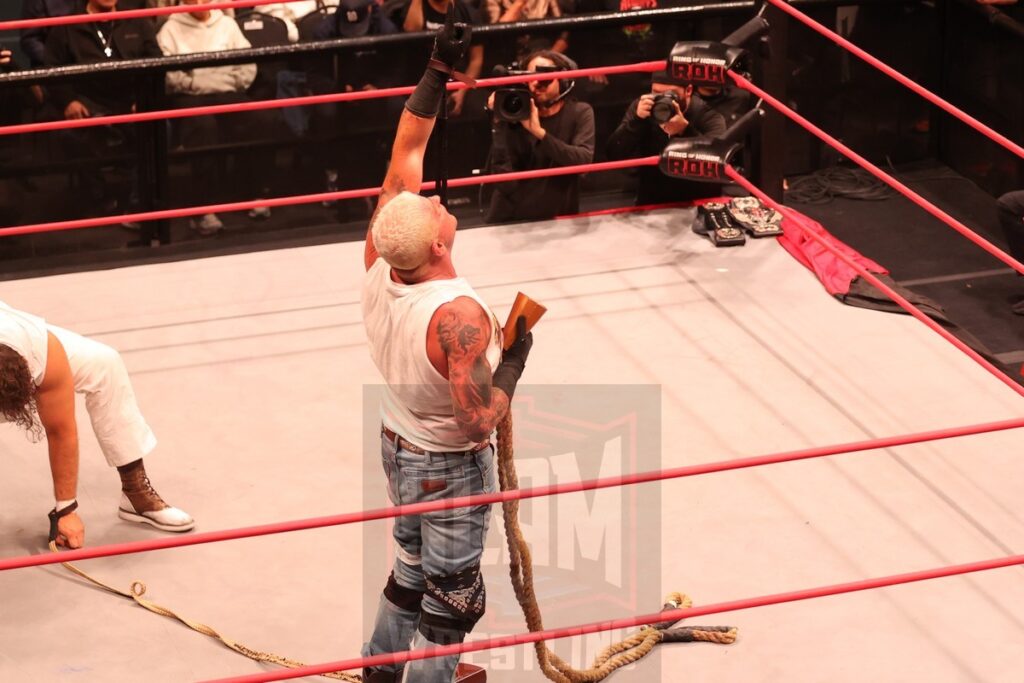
x=251, y=370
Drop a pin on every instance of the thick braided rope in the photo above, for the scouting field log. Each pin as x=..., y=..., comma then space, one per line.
x=138, y=589
x=613, y=657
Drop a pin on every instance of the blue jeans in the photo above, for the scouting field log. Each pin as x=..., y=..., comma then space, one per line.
x=438, y=543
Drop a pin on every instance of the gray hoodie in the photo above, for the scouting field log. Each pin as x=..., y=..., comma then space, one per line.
x=184, y=34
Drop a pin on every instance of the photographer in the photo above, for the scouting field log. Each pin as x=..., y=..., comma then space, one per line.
x=670, y=110
x=557, y=131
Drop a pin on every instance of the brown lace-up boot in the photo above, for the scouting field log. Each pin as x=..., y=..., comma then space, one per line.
x=141, y=503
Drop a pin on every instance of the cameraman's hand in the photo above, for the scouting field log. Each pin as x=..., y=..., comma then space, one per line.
x=490, y=102
x=644, y=106
x=76, y=110
x=532, y=124
x=70, y=531
x=5, y=57
x=677, y=124
x=458, y=99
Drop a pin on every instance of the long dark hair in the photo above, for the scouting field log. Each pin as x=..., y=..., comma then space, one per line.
x=18, y=392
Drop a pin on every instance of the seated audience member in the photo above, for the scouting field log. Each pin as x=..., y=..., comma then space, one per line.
x=640, y=134
x=428, y=15
x=366, y=68
x=288, y=12
x=97, y=43
x=33, y=40
x=558, y=132
x=505, y=11
x=1011, y=217
x=207, y=30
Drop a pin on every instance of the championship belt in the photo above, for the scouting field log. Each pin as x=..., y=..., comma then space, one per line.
x=714, y=222
x=756, y=218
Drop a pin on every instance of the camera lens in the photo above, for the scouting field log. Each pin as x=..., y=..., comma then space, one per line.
x=514, y=103
x=662, y=110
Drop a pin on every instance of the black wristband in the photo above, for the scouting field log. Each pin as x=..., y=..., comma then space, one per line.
x=426, y=98
x=55, y=516
x=506, y=377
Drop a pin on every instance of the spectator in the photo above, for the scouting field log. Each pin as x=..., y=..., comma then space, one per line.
x=428, y=15
x=364, y=69
x=288, y=12
x=639, y=134
x=504, y=11
x=33, y=40
x=559, y=132
x=97, y=43
x=207, y=30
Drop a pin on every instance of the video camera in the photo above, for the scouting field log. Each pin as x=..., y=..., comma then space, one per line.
x=512, y=103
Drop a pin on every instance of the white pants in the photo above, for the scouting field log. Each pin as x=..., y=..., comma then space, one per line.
x=99, y=373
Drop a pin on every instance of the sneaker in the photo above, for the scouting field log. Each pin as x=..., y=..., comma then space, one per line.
x=206, y=225
x=260, y=213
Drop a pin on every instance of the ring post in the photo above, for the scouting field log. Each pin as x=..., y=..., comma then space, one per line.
x=770, y=146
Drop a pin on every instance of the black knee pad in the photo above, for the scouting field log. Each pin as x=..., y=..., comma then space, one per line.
x=402, y=597
x=444, y=630
x=463, y=594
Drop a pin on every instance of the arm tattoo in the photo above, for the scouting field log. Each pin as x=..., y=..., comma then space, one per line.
x=464, y=340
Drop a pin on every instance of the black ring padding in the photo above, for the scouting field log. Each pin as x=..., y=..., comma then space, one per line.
x=402, y=597
x=55, y=517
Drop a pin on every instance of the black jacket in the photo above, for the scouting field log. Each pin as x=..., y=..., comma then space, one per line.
x=569, y=141
x=82, y=44
x=636, y=137
x=33, y=40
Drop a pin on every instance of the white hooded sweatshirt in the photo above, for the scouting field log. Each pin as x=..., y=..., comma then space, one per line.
x=184, y=34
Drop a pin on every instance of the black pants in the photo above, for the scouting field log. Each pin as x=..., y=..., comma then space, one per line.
x=1011, y=217
x=255, y=165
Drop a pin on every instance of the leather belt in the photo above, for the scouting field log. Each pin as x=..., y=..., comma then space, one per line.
x=413, y=448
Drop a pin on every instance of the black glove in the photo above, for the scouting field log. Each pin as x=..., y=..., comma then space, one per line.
x=451, y=41
x=513, y=361
x=449, y=47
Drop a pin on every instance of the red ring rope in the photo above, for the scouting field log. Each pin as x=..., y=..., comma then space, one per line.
x=142, y=117
x=630, y=622
x=186, y=212
x=117, y=15
x=903, y=80
x=499, y=497
x=881, y=175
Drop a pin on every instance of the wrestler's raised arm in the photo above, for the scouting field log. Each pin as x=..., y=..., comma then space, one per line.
x=405, y=172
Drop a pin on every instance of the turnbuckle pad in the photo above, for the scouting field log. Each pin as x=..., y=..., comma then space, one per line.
x=756, y=218
x=715, y=222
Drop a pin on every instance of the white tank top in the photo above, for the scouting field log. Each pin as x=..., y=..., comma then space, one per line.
x=27, y=335
x=417, y=402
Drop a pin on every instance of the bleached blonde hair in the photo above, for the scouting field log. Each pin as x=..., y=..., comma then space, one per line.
x=404, y=230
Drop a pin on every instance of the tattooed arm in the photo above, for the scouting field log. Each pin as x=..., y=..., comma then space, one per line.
x=463, y=329
x=406, y=169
